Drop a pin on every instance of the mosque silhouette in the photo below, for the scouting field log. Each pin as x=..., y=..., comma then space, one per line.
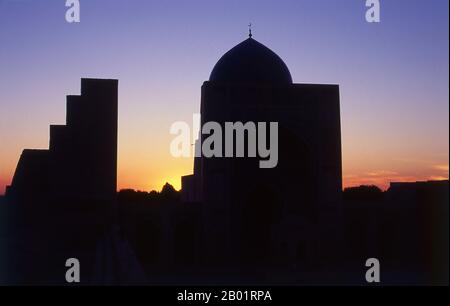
x=232, y=222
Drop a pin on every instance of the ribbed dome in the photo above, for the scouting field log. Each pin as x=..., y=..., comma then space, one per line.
x=251, y=62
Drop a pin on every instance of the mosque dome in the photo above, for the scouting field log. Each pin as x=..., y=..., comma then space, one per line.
x=251, y=62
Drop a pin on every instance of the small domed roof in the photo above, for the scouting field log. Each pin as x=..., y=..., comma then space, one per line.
x=251, y=62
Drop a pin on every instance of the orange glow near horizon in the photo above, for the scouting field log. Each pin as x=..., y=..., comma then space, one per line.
x=384, y=181
x=139, y=175
x=145, y=163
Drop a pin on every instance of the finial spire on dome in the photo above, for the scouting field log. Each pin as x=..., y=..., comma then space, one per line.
x=250, y=30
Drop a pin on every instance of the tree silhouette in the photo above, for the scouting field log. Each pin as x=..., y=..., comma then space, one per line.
x=168, y=192
x=363, y=193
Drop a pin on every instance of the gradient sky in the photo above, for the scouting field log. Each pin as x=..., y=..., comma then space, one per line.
x=393, y=76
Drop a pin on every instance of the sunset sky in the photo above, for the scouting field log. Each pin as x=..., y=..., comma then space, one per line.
x=393, y=75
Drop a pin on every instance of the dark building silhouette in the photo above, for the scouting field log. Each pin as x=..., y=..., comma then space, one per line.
x=416, y=246
x=81, y=161
x=62, y=201
x=406, y=228
x=274, y=216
